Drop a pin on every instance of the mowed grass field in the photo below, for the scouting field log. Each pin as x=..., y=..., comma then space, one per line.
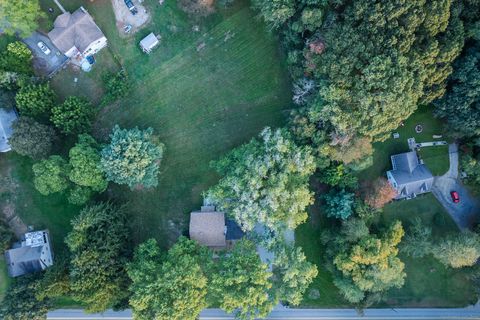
x=203, y=92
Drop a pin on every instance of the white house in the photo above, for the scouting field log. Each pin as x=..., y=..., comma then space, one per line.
x=76, y=34
x=32, y=254
x=7, y=117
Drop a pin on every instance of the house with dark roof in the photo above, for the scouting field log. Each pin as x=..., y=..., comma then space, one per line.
x=32, y=254
x=409, y=176
x=7, y=117
x=76, y=34
x=210, y=228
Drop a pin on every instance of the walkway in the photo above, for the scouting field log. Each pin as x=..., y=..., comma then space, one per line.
x=465, y=212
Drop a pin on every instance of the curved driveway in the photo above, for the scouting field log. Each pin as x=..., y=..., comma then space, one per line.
x=466, y=211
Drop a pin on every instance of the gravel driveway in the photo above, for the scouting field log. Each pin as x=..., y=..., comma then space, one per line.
x=466, y=211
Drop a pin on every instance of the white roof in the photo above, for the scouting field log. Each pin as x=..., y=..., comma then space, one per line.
x=149, y=41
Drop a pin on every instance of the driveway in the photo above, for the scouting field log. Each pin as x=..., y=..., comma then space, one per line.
x=466, y=211
x=45, y=65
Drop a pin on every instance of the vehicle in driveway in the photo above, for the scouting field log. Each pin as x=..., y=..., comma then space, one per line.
x=131, y=7
x=44, y=47
x=455, y=196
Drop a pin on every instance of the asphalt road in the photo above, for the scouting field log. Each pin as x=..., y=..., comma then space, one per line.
x=472, y=312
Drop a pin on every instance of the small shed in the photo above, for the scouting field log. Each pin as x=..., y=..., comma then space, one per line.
x=149, y=42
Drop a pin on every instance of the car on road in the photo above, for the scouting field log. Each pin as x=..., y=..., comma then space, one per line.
x=43, y=47
x=455, y=196
x=131, y=7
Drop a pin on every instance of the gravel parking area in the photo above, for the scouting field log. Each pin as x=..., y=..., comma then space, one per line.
x=125, y=17
x=45, y=65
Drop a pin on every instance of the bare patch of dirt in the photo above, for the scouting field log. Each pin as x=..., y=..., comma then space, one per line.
x=8, y=193
x=124, y=17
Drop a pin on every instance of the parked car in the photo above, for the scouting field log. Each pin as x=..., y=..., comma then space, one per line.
x=131, y=7
x=43, y=47
x=455, y=196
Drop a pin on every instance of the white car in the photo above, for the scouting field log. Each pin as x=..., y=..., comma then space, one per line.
x=43, y=47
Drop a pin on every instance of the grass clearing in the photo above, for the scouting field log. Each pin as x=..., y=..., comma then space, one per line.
x=436, y=159
x=4, y=278
x=383, y=150
x=203, y=93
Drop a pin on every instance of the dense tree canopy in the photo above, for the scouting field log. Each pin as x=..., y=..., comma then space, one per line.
x=373, y=64
x=16, y=58
x=31, y=138
x=20, y=302
x=293, y=274
x=85, y=164
x=174, y=287
x=241, y=283
x=461, y=104
x=365, y=263
x=265, y=181
x=99, y=246
x=19, y=16
x=132, y=157
x=74, y=115
x=50, y=175
x=35, y=100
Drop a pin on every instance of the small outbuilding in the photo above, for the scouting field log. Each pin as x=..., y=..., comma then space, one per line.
x=149, y=43
x=7, y=117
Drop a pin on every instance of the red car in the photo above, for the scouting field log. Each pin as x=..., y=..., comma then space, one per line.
x=455, y=197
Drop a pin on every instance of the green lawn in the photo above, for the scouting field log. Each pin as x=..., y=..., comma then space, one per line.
x=383, y=150
x=436, y=159
x=200, y=102
x=4, y=279
x=428, y=282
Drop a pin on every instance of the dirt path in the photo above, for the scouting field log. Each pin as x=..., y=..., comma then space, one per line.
x=8, y=190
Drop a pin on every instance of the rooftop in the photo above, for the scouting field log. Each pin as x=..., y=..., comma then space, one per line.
x=74, y=30
x=7, y=117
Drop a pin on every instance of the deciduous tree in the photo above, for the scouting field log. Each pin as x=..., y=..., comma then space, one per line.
x=35, y=100
x=50, y=175
x=31, y=138
x=85, y=164
x=99, y=246
x=378, y=193
x=174, y=287
x=265, y=181
x=293, y=274
x=241, y=282
x=17, y=58
x=459, y=250
x=20, y=16
x=132, y=157
x=74, y=115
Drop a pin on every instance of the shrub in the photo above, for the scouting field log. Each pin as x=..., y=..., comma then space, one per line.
x=116, y=86
x=74, y=115
x=35, y=100
x=31, y=138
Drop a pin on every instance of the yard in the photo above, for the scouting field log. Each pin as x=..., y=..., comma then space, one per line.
x=436, y=158
x=200, y=102
x=428, y=283
x=4, y=279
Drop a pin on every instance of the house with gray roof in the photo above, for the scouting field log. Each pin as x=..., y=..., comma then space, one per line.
x=76, y=34
x=7, y=117
x=210, y=228
x=409, y=176
x=32, y=254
